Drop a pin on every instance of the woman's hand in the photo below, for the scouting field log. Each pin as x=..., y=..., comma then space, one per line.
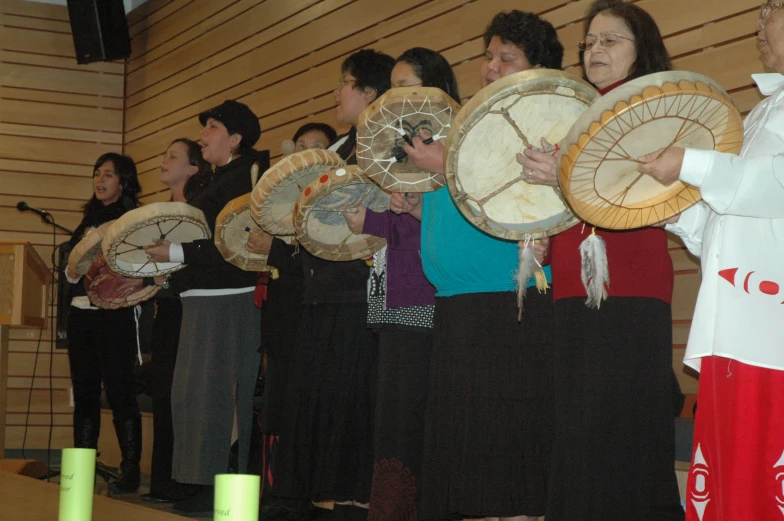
x=259, y=243
x=429, y=158
x=159, y=252
x=160, y=280
x=664, y=165
x=540, y=247
x=356, y=220
x=70, y=274
x=672, y=220
x=410, y=202
x=539, y=168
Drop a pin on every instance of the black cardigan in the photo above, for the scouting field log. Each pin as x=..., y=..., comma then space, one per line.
x=206, y=268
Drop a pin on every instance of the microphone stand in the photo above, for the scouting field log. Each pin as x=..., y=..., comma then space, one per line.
x=48, y=219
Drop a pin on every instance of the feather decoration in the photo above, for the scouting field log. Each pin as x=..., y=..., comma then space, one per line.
x=595, y=273
x=527, y=266
x=541, y=280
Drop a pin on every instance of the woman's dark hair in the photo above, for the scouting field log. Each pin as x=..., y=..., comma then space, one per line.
x=129, y=182
x=652, y=55
x=371, y=70
x=433, y=69
x=201, y=178
x=325, y=129
x=535, y=37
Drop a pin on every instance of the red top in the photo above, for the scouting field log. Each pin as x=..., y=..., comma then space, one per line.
x=638, y=260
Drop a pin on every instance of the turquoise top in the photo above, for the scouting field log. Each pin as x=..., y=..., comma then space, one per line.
x=459, y=258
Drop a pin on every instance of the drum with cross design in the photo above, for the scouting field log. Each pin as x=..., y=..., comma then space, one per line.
x=500, y=121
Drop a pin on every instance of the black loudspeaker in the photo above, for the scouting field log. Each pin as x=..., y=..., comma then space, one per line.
x=100, y=30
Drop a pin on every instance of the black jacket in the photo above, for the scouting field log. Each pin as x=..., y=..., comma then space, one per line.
x=206, y=268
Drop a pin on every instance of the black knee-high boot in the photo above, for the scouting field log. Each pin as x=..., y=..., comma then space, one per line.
x=86, y=429
x=129, y=437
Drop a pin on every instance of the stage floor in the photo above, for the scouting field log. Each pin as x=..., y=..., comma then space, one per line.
x=27, y=499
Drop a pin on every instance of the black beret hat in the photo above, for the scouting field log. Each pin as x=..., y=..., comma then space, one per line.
x=237, y=118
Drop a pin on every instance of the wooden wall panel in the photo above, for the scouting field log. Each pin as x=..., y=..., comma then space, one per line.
x=56, y=118
x=282, y=58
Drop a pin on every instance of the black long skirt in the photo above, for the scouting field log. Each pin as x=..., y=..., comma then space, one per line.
x=280, y=316
x=614, y=446
x=488, y=426
x=398, y=436
x=326, y=442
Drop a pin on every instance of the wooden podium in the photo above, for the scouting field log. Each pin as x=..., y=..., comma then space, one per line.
x=23, y=286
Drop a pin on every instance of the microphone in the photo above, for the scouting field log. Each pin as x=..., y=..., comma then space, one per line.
x=288, y=147
x=24, y=207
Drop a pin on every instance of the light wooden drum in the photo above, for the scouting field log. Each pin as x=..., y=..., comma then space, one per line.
x=392, y=120
x=125, y=240
x=232, y=228
x=273, y=198
x=106, y=289
x=87, y=250
x=500, y=121
x=318, y=215
x=599, y=160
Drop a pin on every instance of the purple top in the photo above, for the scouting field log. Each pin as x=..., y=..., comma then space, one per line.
x=406, y=281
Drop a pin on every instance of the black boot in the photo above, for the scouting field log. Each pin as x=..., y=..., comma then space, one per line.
x=86, y=431
x=129, y=436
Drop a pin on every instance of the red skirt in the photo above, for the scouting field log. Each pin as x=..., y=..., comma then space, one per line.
x=737, y=469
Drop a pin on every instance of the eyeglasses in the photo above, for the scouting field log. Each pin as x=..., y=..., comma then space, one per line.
x=607, y=40
x=342, y=82
x=410, y=85
x=766, y=8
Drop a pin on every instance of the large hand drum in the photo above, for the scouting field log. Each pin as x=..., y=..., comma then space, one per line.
x=87, y=250
x=599, y=164
x=104, y=287
x=318, y=215
x=500, y=121
x=125, y=240
x=232, y=229
x=273, y=198
x=392, y=120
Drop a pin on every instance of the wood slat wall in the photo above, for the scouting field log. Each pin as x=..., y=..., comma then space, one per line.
x=56, y=118
x=282, y=58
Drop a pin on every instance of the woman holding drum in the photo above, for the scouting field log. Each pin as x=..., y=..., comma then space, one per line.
x=613, y=452
x=217, y=359
x=281, y=310
x=488, y=422
x=325, y=450
x=184, y=171
x=102, y=342
x=735, y=340
x=401, y=304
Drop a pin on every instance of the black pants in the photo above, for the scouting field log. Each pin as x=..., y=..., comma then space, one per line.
x=102, y=347
x=165, y=338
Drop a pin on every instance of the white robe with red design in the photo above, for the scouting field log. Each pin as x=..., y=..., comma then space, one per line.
x=738, y=232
